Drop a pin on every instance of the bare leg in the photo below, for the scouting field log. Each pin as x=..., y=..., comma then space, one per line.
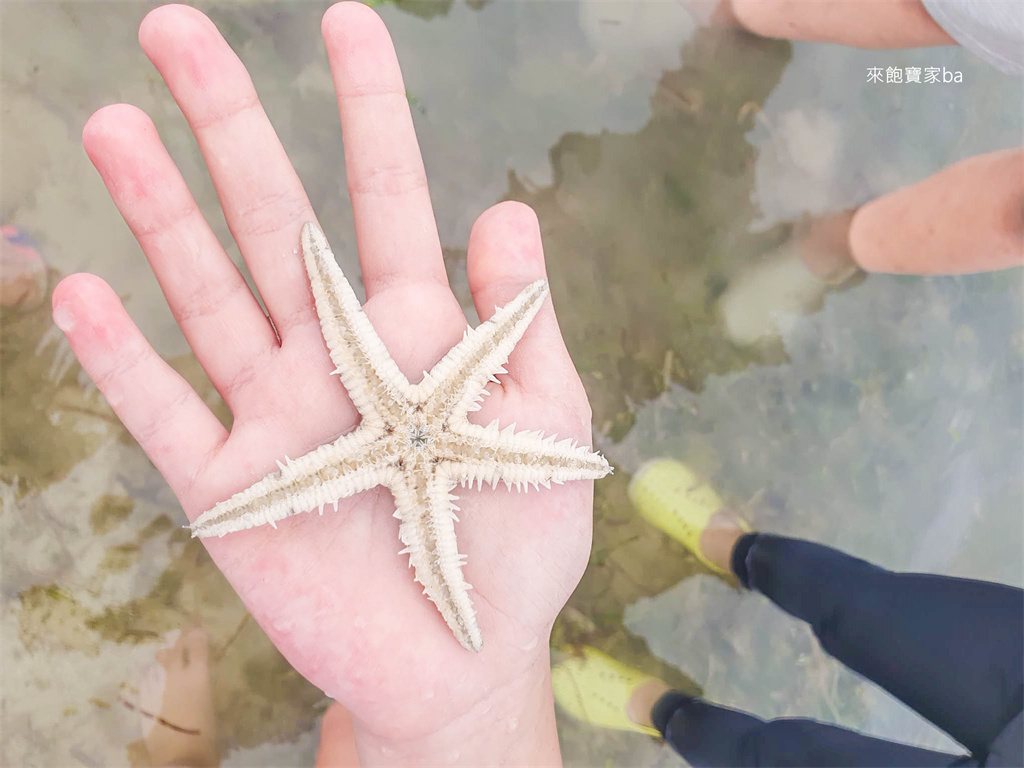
x=641, y=703
x=824, y=247
x=877, y=24
x=719, y=538
x=176, y=706
x=22, y=271
x=337, y=740
x=966, y=218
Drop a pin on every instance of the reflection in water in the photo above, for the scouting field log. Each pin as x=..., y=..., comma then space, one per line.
x=887, y=424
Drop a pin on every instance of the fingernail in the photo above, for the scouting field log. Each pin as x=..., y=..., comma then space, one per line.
x=64, y=317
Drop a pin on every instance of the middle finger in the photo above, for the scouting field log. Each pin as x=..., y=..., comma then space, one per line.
x=395, y=229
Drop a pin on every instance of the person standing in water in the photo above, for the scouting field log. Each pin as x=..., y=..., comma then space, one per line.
x=916, y=635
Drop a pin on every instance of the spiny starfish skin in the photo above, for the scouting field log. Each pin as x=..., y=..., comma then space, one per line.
x=416, y=439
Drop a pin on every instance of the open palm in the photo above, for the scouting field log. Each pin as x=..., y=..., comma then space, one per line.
x=331, y=592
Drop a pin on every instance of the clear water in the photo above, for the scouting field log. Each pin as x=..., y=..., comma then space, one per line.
x=668, y=163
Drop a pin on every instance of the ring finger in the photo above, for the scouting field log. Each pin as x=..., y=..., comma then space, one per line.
x=212, y=303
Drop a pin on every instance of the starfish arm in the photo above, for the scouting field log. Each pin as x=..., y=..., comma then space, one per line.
x=492, y=455
x=352, y=463
x=459, y=379
x=426, y=509
x=370, y=376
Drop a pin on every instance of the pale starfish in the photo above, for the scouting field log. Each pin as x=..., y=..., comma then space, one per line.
x=416, y=439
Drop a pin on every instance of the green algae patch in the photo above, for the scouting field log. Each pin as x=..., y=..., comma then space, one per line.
x=109, y=511
x=48, y=422
x=258, y=696
x=51, y=618
x=643, y=230
x=120, y=558
x=158, y=525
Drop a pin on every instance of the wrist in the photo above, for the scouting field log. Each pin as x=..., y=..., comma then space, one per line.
x=512, y=724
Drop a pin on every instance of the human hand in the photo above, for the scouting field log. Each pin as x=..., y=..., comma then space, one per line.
x=330, y=591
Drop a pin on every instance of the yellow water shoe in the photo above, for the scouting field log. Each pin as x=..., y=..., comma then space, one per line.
x=671, y=497
x=593, y=687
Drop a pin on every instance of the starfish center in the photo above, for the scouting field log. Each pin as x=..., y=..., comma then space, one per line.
x=420, y=436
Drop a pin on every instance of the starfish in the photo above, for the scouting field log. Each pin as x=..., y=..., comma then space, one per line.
x=416, y=439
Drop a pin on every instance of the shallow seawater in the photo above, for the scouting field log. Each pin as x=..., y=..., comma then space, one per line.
x=669, y=163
